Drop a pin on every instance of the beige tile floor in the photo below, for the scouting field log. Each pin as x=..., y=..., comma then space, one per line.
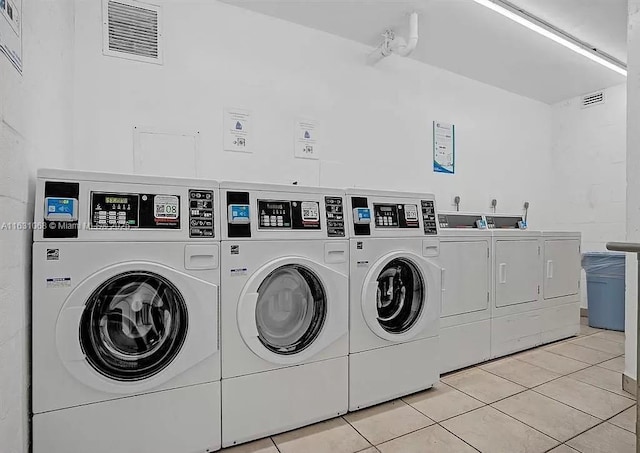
x=565, y=397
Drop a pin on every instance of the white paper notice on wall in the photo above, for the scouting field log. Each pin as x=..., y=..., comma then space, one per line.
x=237, y=130
x=444, y=147
x=306, y=140
x=11, y=31
x=164, y=153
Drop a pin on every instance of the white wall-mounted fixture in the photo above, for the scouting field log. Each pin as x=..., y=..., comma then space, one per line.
x=396, y=44
x=591, y=99
x=539, y=26
x=133, y=30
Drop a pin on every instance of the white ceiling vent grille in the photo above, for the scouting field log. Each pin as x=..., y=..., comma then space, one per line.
x=591, y=99
x=132, y=30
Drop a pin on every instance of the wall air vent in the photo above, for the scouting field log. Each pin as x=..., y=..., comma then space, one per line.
x=591, y=99
x=132, y=30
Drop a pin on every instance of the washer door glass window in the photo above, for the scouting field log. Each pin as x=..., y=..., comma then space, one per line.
x=400, y=296
x=133, y=326
x=291, y=309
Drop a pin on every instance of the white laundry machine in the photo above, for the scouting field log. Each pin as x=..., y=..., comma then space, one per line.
x=561, y=285
x=395, y=295
x=284, y=309
x=517, y=279
x=465, y=318
x=125, y=314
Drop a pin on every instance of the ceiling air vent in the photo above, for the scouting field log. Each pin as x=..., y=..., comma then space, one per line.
x=132, y=30
x=589, y=100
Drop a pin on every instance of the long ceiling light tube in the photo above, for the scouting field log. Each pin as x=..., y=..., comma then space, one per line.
x=549, y=32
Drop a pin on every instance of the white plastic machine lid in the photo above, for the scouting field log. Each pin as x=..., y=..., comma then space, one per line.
x=508, y=224
x=461, y=223
x=563, y=234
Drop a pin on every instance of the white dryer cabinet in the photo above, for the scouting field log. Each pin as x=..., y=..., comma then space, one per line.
x=561, y=285
x=517, y=280
x=465, y=318
x=516, y=321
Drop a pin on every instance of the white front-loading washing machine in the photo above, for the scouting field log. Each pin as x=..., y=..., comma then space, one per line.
x=465, y=318
x=516, y=322
x=561, y=285
x=395, y=295
x=125, y=314
x=284, y=308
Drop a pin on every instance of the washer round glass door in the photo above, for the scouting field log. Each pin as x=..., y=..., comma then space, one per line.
x=290, y=310
x=399, y=296
x=133, y=326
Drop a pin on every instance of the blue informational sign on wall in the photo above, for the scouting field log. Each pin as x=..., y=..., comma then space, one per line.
x=11, y=31
x=444, y=147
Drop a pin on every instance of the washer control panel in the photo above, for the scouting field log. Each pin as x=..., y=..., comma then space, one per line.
x=396, y=215
x=288, y=214
x=429, y=217
x=201, y=214
x=114, y=209
x=506, y=222
x=462, y=221
x=134, y=210
x=335, y=216
x=274, y=214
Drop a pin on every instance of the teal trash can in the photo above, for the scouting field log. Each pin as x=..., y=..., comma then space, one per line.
x=605, y=289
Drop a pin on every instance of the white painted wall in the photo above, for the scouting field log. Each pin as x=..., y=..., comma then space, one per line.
x=588, y=173
x=76, y=108
x=35, y=130
x=375, y=122
x=633, y=185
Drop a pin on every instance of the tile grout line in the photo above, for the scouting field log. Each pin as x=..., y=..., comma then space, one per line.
x=356, y=430
x=520, y=421
x=478, y=366
x=587, y=348
x=587, y=383
x=600, y=338
x=449, y=418
x=566, y=357
x=528, y=388
x=566, y=404
x=509, y=396
x=402, y=435
x=568, y=375
x=600, y=422
x=549, y=435
x=435, y=423
x=274, y=444
x=544, y=349
x=595, y=426
x=455, y=435
x=539, y=393
x=626, y=395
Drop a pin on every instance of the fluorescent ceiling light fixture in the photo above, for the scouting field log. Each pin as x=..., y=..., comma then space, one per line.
x=548, y=32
